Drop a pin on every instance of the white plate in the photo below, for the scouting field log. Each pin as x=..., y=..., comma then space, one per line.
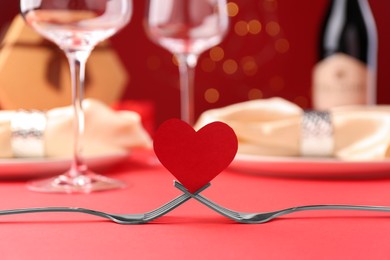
x=31, y=167
x=310, y=167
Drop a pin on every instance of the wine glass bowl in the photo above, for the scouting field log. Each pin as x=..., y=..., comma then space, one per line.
x=76, y=26
x=186, y=28
x=74, y=29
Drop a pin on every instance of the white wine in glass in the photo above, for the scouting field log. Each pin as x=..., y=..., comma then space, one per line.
x=187, y=28
x=76, y=26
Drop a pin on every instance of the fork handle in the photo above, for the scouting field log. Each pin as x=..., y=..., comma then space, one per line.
x=54, y=209
x=329, y=207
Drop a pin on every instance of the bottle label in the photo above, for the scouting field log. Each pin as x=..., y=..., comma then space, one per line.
x=339, y=80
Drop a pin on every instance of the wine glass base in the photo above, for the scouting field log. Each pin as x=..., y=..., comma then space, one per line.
x=85, y=183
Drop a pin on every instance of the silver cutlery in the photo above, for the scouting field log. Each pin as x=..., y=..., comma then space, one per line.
x=263, y=217
x=241, y=217
x=117, y=218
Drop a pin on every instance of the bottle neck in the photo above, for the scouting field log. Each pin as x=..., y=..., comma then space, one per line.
x=345, y=30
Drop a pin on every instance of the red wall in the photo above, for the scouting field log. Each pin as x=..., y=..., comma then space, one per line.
x=153, y=76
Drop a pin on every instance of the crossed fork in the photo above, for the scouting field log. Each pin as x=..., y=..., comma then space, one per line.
x=241, y=217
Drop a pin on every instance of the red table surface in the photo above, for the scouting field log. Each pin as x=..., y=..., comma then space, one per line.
x=193, y=231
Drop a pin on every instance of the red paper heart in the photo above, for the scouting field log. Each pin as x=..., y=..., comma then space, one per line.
x=195, y=158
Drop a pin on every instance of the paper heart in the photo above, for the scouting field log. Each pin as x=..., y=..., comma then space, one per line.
x=195, y=158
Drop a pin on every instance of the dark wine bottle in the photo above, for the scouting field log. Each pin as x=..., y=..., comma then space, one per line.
x=346, y=71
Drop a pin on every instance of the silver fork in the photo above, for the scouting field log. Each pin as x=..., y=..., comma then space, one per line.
x=117, y=218
x=263, y=217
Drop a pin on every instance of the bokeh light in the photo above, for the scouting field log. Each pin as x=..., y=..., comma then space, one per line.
x=282, y=45
x=230, y=66
x=254, y=26
x=269, y=5
x=301, y=101
x=211, y=95
x=175, y=61
x=272, y=28
x=241, y=28
x=216, y=53
x=248, y=65
x=233, y=9
x=255, y=93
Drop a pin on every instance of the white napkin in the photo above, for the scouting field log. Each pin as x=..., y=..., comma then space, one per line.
x=271, y=127
x=106, y=131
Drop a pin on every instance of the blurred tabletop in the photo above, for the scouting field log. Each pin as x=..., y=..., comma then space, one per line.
x=193, y=231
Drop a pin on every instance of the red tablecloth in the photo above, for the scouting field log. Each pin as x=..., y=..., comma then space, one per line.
x=193, y=231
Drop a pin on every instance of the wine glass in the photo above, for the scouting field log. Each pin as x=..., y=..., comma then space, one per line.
x=186, y=28
x=76, y=26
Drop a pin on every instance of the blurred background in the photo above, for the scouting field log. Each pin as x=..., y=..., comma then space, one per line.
x=270, y=51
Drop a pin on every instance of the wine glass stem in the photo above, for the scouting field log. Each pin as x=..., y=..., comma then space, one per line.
x=187, y=63
x=77, y=60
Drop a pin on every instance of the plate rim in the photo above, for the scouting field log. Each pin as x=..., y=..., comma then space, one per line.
x=46, y=166
x=297, y=159
x=310, y=167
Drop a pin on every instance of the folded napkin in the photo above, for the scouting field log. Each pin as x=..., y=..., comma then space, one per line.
x=106, y=131
x=272, y=127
